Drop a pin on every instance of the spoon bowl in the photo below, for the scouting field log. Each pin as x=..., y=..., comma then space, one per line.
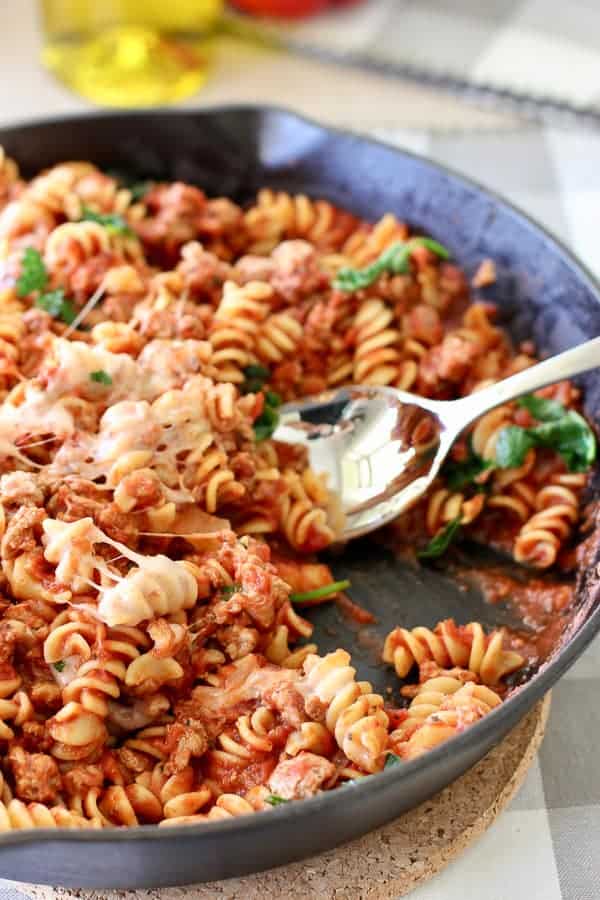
x=381, y=448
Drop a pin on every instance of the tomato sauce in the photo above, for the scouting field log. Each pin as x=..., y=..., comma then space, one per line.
x=543, y=604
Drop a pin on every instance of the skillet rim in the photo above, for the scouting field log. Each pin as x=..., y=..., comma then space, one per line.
x=514, y=707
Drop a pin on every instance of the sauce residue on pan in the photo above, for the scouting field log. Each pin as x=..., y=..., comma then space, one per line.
x=544, y=605
x=353, y=610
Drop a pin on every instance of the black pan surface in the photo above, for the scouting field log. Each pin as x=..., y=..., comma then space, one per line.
x=543, y=294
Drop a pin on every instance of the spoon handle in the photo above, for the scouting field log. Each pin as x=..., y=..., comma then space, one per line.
x=572, y=362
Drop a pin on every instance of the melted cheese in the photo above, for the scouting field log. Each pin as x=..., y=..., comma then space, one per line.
x=37, y=414
x=155, y=586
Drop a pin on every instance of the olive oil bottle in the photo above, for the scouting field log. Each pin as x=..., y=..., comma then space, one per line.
x=129, y=52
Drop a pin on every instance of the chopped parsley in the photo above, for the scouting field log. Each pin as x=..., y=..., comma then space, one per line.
x=34, y=276
x=113, y=223
x=392, y=760
x=56, y=304
x=438, y=545
x=320, y=593
x=101, y=377
x=59, y=666
x=395, y=260
x=275, y=800
x=229, y=590
x=138, y=188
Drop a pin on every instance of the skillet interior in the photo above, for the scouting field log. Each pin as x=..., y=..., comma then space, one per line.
x=542, y=292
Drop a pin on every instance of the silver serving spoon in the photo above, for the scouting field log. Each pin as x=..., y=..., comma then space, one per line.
x=382, y=447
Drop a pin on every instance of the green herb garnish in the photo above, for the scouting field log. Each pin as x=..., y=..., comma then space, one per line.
x=542, y=409
x=562, y=430
x=138, y=188
x=395, y=260
x=512, y=446
x=438, y=545
x=56, y=304
x=101, y=377
x=320, y=593
x=34, y=276
x=460, y=473
x=229, y=590
x=392, y=760
x=272, y=399
x=255, y=379
x=275, y=800
x=113, y=223
x=268, y=420
x=59, y=666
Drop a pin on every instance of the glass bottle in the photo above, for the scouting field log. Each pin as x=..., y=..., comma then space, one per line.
x=129, y=52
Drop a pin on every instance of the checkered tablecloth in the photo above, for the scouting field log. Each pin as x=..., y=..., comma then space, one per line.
x=538, y=49
x=547, y=845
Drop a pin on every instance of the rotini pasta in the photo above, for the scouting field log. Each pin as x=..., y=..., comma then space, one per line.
x=465, y=646
x=155, y=541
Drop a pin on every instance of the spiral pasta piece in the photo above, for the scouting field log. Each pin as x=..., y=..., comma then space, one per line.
x=467, y=647
x=9, y=175
x=542, y=535
x=278, y=650
x=443, y=507
x=73, y=243
x=353, y=714
x=427, y=701
x=303, y=519
x=368, y=242
x=68, y=188
x=458, y=710
x=377, y=355
x=278, y=338
x=235, y=328
x=16, y=815
x=277, y=215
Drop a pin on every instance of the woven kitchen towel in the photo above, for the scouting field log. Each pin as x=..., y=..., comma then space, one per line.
x=541, y=55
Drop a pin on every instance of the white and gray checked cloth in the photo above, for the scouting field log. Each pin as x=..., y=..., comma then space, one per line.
x=546, y=846
x=525, y=52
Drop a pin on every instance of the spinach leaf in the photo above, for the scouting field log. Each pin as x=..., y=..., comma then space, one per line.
x=320, y=593
x=460, y=473
x=542, y=409
x=438, y=545
x=255, y=379
x=570, y=436
x=395, y=259
x=512, y=446
x=267, y=422
x=562, y=430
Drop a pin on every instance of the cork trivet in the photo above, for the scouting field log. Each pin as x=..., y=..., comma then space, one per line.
x=386, y=863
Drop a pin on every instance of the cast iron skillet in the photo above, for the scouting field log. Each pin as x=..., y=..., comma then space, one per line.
x=543, y=293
